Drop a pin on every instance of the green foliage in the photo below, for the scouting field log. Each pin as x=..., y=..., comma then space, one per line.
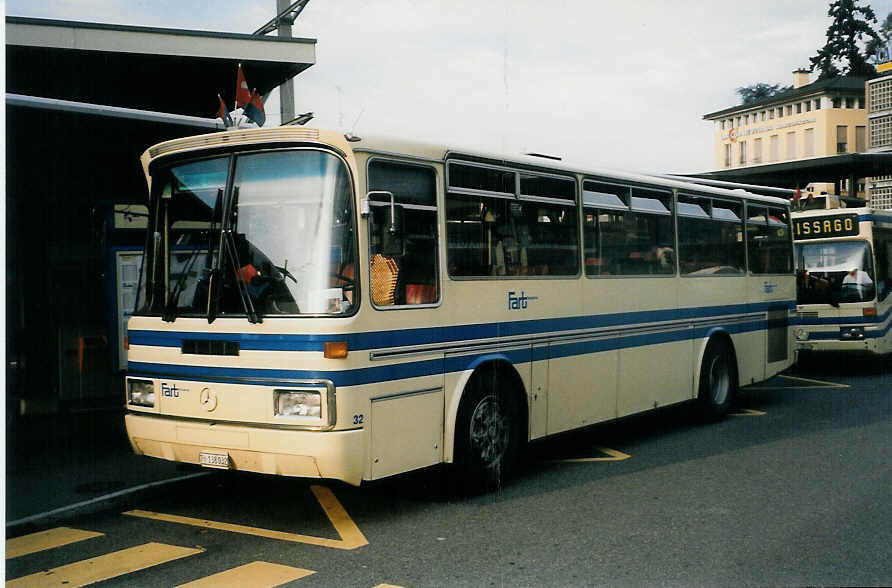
x=884, y=32
x=841, y=55
x=759, y=91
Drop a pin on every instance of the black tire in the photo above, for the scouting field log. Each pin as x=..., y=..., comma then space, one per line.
x=487, y=437
x=718, y=380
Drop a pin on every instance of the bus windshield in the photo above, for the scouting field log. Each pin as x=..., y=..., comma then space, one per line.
x=273, y=236
x=834, y=272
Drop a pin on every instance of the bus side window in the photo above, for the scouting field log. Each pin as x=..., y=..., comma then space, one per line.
x=882, y=239
x=408, y=277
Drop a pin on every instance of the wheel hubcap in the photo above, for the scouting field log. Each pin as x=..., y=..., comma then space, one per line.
x=489, y=432
x=719, y=380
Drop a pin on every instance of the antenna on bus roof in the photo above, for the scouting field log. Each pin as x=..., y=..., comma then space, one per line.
x=544, y=156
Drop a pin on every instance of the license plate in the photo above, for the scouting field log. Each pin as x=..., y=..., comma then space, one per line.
x=214, y=460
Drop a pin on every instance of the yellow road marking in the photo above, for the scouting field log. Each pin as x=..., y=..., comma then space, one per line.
x=746, y=412
x=819, y=384
x=257, y=574
x=613, y=454
x=44, y=540
x=105, y=567
x=387, y=586
x=351, y=536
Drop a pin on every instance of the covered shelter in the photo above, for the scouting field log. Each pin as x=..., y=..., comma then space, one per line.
x=84, y=100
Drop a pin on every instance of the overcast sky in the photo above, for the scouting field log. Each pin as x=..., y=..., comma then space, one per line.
x=611, y=84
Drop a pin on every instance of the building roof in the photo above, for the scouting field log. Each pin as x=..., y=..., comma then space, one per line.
x=828, y=86
x=152, y=69
x=790, y=174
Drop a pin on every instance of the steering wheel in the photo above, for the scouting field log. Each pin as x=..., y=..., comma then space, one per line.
x=348, y=285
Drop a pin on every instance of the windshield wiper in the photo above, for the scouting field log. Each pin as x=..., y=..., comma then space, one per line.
x=241, y=286
x=170, y=311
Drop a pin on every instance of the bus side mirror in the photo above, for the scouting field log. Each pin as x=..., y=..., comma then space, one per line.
x=392, y=241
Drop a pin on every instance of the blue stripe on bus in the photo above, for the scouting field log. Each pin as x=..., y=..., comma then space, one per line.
x=834, y=334
x=410, y=369
x=433, y=335
x=874, y=217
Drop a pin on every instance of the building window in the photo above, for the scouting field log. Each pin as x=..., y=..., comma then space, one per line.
x=757, y=151
x=860, y=139
x=764, y=114
x=817, y=104
x=771, y=114
x=860, y=102
x=780, y=112
x=880, y=95
x=774, y=147
x=746, y=119
x=791, y=145
x=808, y=106
x=809, y=147
x=837, y=102
x=799, y=108
x=850, y=102
x=743, y=153
x=880, y=131
x=789, y=109
x=728, y=155
x=841, y=144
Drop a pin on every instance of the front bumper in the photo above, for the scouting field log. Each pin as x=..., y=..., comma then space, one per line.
x=339, y=455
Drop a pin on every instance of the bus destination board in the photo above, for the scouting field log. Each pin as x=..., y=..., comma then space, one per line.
x=822, y=227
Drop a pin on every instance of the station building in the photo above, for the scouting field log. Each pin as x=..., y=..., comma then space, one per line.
x=879, y=124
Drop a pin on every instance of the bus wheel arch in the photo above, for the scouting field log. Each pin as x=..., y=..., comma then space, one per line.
x=718, y=375
x=490, y=425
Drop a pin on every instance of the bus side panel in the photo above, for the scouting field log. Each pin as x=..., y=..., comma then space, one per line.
x=581, y=387
x=654, y=367
x=407, y=432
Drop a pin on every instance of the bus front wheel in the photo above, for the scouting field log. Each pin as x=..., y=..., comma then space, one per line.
x=487, y=438
x=718, y=380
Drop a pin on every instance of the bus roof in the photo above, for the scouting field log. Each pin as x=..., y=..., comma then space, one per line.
x=429, y=151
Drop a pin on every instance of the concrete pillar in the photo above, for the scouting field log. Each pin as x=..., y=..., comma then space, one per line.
x=286, y=90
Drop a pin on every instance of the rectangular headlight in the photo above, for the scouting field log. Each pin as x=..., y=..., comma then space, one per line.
x=298, y=403
x=141, y=392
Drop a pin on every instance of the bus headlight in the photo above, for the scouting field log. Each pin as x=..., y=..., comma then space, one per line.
x=298, y=403
x=801, y=334
x=141, y=392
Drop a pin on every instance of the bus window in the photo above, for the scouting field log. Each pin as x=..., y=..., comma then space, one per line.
x=768, y=240
x=409, y=277
x=710, y=236
x=632, y=242
x=492, y=234
x=882, y=242
x=834, y=272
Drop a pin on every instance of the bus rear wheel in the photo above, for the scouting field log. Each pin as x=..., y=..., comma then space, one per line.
x=718, y=380
x=487, y=439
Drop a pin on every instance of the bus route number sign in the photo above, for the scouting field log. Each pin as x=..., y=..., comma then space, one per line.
x=822, y=227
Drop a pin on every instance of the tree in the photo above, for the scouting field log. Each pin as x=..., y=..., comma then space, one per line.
x=841, y=54
x=759, y=91
x=885, y=33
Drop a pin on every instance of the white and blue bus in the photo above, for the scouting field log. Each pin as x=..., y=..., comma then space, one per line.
x=325, y=306
x=844, y=265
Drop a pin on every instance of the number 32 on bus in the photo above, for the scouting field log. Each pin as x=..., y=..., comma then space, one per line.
x=353, y=309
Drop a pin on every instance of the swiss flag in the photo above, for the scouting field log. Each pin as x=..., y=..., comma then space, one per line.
x=242, y=92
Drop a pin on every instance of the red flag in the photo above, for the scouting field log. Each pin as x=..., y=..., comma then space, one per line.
x=254, y=109
x=797, y=195
x=242, y=93
x=223, y=112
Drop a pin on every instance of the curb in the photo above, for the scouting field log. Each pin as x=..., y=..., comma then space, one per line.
x=94, y=505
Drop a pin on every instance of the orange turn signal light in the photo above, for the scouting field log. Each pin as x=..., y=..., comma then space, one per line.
x=335, y=350
x=869, y=311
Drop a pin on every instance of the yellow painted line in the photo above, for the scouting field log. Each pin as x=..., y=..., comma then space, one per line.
x=49, y=539
x=613, y=454
x=814, y=384
x=747, y=412
x=387, y=586
x=105, y=567
x=257, y=574
x=351, y=536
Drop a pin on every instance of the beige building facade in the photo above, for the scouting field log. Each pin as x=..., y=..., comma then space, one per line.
x=818, y=119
